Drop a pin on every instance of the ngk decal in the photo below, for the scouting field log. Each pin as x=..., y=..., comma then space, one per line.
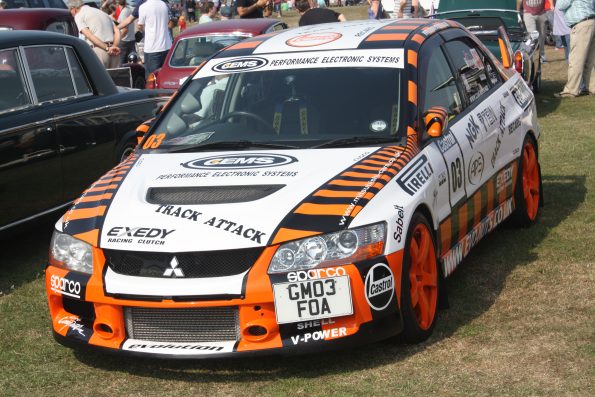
x=65, y=286
x=380, y=286
x=314, y=274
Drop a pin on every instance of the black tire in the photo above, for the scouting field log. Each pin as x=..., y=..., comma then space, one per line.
x=412, y=331
x=528, y=184
x=537, y=81
x=125, y=151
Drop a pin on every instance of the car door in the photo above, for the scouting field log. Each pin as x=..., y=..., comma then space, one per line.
x=82, y=118
x=30, y=181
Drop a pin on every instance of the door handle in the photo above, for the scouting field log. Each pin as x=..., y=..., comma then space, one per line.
x=49, y=129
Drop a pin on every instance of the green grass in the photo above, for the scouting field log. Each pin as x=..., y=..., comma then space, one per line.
x=521, y=320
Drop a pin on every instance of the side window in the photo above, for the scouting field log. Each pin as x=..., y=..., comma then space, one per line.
x=58, y=27
x=50, y=73
x=440, y=88
x=13, y=93
x=80, y=79
x=470, y=69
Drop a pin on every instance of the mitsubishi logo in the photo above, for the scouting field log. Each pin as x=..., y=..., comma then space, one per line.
x=173, y=271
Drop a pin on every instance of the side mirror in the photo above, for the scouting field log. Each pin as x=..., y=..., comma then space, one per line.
x=436, y=121
x=505, y=48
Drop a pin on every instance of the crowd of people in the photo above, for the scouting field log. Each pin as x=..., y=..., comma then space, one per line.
x=114, y=30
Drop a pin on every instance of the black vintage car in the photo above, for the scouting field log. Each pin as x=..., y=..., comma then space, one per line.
x=63, y=122
x=484, y=17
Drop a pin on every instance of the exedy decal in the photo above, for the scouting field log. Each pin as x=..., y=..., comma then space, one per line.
x=138, y=235
x=240, y=161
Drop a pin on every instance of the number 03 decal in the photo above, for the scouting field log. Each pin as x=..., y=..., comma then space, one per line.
x=154, y=141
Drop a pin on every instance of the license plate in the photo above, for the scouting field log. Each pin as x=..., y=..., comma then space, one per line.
x=312, y=299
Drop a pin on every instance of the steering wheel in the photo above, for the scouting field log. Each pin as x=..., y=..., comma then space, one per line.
x=249, y=115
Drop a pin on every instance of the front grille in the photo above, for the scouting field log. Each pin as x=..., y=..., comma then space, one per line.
x=195, y=195
x=191, y=264
x=211, y=324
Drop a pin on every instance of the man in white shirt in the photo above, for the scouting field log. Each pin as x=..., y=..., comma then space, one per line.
x=153, y=18
x=99, y=31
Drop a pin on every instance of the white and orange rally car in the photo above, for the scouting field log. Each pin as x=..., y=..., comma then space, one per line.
x=304, y=189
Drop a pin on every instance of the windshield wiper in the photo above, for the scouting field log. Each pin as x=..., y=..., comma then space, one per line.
x=355, y=140
x=243, y=144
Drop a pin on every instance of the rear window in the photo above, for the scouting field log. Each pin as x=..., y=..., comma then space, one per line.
x=192, y=51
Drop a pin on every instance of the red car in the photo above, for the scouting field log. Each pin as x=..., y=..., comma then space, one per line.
x=50, y=19
x=199, y=42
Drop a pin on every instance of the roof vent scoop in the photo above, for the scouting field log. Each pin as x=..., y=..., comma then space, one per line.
x=201, y=195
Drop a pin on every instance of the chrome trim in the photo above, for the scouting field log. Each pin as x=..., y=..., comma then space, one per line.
x=32, y=217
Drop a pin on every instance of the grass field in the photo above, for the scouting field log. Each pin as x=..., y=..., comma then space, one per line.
x=521, y=320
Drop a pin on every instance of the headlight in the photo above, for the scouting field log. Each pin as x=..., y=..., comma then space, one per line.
x=71, y=253
x=330, y=249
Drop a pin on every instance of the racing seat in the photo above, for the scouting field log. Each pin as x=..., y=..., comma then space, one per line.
x=200, y=52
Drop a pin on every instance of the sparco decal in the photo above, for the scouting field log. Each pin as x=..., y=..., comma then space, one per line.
x=380, y=286
x=446, y=142
x=313, y=39
x=475, y=171
x=240, y=64
x=64, y=286
x=398, y=234
x=314, y=274
x=138, y=235
x=416, y=175
x=456, y=254
x=240, y=161
x=324, y=334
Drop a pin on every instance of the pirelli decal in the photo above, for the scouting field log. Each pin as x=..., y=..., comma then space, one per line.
x=474, y=218
x=84, y=219
x=339, y=200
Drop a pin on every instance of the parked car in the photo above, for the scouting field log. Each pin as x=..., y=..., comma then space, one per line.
x=63, y=122
x=302, y=191
x=35, y=4
x=50, y=19
x=199, y=42
x=484, y=17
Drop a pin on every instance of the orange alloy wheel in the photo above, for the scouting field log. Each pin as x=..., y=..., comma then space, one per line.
x=423, y=276
x=530, y=180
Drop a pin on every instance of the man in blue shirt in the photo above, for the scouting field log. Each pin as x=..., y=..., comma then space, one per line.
x=580, y=16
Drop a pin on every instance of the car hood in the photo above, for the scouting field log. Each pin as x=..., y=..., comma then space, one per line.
x=223, y=200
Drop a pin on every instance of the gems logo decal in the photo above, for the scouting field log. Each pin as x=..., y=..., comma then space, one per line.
x=240, y=161
x=240, y=64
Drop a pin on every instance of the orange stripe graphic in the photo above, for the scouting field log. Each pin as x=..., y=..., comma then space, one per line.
x=412, y=58
x=340, y=182
x=387, y=37
x=245, y=44
x=82, y=213
x=285, y=234
x=323, y=209
x=336, y=193
x=101, y=188
x=99, y=197
x=90, y=237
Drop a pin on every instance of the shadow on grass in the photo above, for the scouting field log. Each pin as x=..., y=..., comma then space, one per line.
x=24, y=254
x=473, y=289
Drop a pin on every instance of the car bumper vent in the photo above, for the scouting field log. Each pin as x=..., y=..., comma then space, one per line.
x=212, y=324
x=192, y=264
x=194, y=195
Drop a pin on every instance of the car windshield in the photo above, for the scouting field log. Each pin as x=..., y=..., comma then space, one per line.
x=307, y=107
x=193, y=50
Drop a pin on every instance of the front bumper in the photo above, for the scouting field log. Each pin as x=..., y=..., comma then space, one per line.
x=85, y=316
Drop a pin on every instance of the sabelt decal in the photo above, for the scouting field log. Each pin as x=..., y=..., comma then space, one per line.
x=380, y=286
x=240, y=64
x=240, y=161
x=313, y=39
x=178, y=348
x=399, y=224
x=475, y=171
x=413, y=178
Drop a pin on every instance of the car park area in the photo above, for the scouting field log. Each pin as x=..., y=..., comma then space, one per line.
x=519, y=323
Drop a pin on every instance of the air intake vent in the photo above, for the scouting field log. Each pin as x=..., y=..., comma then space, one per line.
x=191, y=264
x=210, y=324
x=194, y=195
